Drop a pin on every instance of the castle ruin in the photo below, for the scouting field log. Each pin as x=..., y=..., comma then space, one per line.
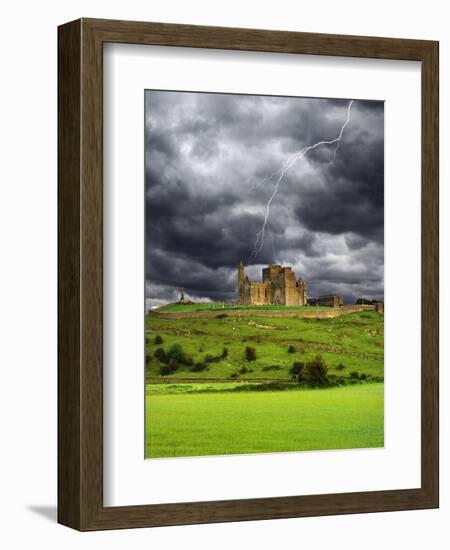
x=279, y=286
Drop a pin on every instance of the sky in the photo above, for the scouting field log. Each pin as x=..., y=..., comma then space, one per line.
x=212, y=162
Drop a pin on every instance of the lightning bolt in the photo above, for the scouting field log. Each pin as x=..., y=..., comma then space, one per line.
x=259, y=242
x=272, y=239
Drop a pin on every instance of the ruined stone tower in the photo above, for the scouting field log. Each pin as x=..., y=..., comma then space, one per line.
x=240, y=279
x=278, y=286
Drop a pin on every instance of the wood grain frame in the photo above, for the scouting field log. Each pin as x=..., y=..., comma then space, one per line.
x=80, y=273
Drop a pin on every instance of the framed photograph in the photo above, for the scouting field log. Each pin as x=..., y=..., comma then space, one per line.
x=248, y=274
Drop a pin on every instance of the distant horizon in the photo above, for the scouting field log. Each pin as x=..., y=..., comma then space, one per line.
x=188, y=298
x=211, y=165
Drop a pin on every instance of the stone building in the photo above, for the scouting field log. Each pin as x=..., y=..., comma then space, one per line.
x=279, y=286
x=330, y=300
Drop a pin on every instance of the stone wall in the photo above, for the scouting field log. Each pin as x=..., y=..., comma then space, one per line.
x=259, y=294
x=304, y=313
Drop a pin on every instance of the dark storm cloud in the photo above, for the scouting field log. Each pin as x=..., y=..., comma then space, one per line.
x=352, y=198
x=209, y=161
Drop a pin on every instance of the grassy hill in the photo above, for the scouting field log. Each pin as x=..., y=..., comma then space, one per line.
x=352, y=342
x=233, y=405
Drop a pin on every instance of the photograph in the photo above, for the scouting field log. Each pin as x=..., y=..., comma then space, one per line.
x=264, y=273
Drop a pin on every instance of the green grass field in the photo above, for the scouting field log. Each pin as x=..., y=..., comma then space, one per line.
x=239, y=406
x=355, y=341
x=218, y=423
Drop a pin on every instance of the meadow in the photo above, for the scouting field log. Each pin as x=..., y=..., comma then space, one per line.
x=218, y=423
x=350, y=343
x=236, y=405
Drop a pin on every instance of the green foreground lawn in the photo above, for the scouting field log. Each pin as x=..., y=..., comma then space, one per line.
x=219, y=423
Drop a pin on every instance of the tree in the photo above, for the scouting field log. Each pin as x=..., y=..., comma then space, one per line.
x=316, y=372
x=176, y=353
x=297, y=371
x=161, y=355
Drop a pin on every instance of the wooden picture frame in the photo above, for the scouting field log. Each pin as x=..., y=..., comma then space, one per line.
x=80, y=272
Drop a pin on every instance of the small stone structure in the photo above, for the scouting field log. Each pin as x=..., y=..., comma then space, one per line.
x=279, y=286
x=379, y=304
x=330, y=300
x=327, y=300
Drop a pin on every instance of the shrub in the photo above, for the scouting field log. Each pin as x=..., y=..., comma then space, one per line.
x=340, y=367
x=250, y=353
x=266, y=386
x=297, y=370
x=161, y=355
x=291, y=349
x=176, y=352
x=234, y=375
x=176, y=355
x=363, y=376
x=158, y=339
x=221, y=316
x=271, y=367
x=245, y=370
x=199, y=367
x=212, y=358
x=335, y=380
x=224, y=353
x=148, y=358
x=170, y=368
x=316, y=372
x=354, y=375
